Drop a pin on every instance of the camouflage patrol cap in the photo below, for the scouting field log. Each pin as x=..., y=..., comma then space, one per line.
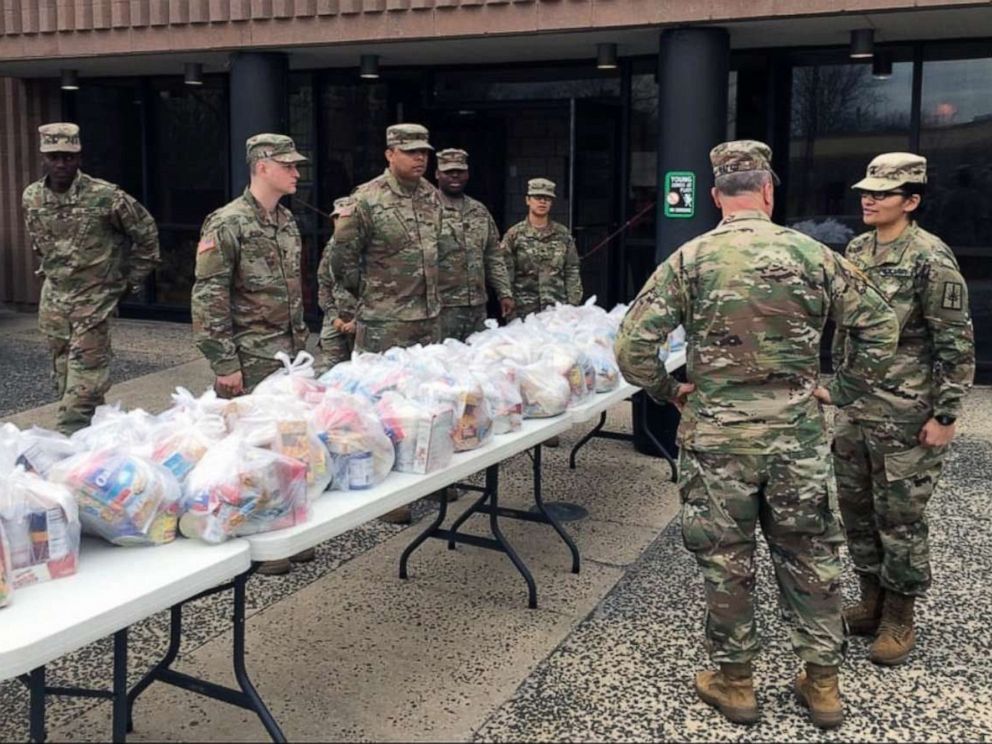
x=541, y=187
x=741, y=156
x=452, y=159
x=408, y=137
x=342, y=204
x=59, y=137
x=276, y=147
x=892, y=170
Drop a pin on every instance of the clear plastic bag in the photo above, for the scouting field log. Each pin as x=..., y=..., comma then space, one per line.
x=122, y=497
x=544, y=390
x=473, y=423
x=420, y=432
x=296, y=379
x=112, y=426
x=238, y=489
x=6, y=575
x=502, y=391
x=41, y=522
x=283, y=425
x=361, y=453
x=41, y=449
x=180, y=442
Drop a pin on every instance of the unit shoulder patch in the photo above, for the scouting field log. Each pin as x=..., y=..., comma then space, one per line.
x=953, y=298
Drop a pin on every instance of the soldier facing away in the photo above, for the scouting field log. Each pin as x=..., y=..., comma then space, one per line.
x=247, y=302
x=541, y=256
x=753, y=298
x=96, y=243
x=889, y=446
x=385, y=253
x=337, y=332
x=469, y=253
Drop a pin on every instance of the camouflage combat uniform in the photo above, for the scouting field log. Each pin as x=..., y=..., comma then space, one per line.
x=95, y=242
x=753, y=298
x=543, y=265
x=247, y=302
x=468, y=254
x=336, y=303
x=385, y=254
x=884, y=476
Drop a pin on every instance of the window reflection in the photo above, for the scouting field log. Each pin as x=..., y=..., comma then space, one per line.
x=841, y=118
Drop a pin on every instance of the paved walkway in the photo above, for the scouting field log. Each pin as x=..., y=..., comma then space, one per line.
x=344, y=650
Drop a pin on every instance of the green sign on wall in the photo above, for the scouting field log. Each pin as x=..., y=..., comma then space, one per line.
x=680, y=194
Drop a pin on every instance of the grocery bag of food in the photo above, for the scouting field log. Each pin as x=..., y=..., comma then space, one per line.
x=361, y=453
x=238, y=489
x=41, y=522
x=6, y=577
x=123, y=497
x=419, y=430
x=296, y=379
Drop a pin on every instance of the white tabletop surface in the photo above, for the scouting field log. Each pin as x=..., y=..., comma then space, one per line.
x=336, y=512
x=113, y=588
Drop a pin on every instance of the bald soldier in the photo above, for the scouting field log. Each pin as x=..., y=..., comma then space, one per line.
x=541, y=256
x=385, y=253
x=247, y=301
x=469, y=253
x=753, y=298
x=889, y=447
x=337, y=332
x=385, y=249
x=95, y=242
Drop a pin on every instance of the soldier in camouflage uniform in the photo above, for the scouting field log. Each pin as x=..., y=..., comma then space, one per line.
x=96, y=243
x=338, y=329
x=541, y=255
x=247, y=301
x=469, y=253
x=753, y=298
x=385, y=250
x=385, y=253
x=889, y=446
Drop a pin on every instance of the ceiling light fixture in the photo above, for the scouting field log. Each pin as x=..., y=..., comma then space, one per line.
x=881, y=66
x=369, y=67
x=606, y=56
x=193, y=73
x=862, y=43
x=70, y=80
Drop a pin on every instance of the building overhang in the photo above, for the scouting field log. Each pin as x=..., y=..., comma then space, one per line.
x=404, y=39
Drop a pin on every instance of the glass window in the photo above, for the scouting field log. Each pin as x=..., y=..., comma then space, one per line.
x=643, y=154
x=187, y=171
x=955, y=137
x=841, y=118
x=520, y=85
x=955, y=133
x=109, y=118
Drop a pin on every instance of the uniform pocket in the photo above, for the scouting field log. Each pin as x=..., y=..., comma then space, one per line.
x=910, y=463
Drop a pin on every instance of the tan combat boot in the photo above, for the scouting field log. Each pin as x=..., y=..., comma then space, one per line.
x=863, y=618
x=402, y=515
x=818, y=688
x=730, y=691
x=896, y=635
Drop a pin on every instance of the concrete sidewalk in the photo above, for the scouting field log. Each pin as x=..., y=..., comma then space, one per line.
x=344, y=650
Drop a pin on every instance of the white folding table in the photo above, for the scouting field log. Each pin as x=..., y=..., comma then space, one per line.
x=113, y=589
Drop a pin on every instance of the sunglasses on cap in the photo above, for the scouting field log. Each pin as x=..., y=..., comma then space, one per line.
x=881, y=195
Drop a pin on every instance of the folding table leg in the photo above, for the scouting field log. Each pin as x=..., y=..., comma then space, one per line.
x=175, y=638
x=585, y=440
x=442, y=513
x=120, y=696
x=36, y=686
x=492, y=486
x=240, y=672
x=539, y=501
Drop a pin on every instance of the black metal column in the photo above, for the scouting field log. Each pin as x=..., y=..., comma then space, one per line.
x=693, y=85
x=693, y=74
x=259, y=103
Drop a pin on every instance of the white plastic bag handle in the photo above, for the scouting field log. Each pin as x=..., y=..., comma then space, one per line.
x=302, y=365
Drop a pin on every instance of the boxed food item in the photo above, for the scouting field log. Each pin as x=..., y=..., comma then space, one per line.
x=40, y=449
x=238, y=489
x=41, y=523
x=421, y=432
x=122, y=497
x=472, y=418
